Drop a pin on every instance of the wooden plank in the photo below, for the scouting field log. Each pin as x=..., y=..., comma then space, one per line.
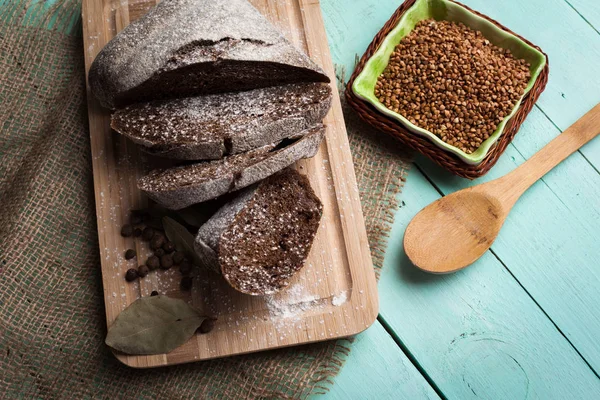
x=464, y=224
x=560, y=242
x=338, y=280
x=550, y=239
x=377, y=369
x=573, y=46
x=476, y=333
x=351, y=25
x=554, y=229
x=588, y=10
x=556, y=28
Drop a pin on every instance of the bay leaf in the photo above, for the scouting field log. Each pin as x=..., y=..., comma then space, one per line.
x=182, y=238
x=153, y=325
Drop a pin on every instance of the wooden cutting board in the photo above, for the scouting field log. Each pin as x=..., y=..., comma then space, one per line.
x=333, y=296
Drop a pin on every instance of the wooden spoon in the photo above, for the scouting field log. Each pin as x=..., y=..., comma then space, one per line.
x=456, y=230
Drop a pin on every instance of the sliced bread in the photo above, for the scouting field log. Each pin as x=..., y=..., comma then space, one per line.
x=179, y=187
x=190, y=47
x=213, y=126
x=262, y=238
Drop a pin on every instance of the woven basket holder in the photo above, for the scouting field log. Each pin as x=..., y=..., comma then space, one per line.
x=448, y=161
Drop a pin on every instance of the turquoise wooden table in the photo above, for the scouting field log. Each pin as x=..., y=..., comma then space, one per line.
x=523, y=321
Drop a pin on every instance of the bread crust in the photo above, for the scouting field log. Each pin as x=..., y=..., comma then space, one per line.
x=217, y=46
x=225, y=242
x=213, y=126
x=159, y=186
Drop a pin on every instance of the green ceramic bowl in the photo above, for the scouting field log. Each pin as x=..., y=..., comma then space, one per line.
x=364, y=85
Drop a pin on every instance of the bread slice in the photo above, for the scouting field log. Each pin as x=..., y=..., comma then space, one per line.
x=179, y=187
x=262, y=238
x=213, y=126
x=190, y=47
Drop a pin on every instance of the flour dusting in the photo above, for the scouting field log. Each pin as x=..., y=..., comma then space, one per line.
x=289, y=309
x=340, y=298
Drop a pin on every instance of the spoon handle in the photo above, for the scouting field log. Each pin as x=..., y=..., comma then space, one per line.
x=514, y=184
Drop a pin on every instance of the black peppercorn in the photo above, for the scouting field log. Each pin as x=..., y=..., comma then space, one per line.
x=157, y=242
x=126, y=230
x=159, y=252
x=143, y=270
x=185, y=268
x=186, y=283
x=169, y=247
x=131, y=275
x=137, y=232
x=129, y=254
x=154, y=293
x=178, y=257
x=166, y=261
x=153, y=263
x=147, y=234
x=207, y=325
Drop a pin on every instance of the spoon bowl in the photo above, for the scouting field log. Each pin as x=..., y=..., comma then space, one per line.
x=454, y=231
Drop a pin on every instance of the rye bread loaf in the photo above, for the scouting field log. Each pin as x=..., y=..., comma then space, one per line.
x=213, y=126
x=179, y=187
x=262, y=238
x=190, y=47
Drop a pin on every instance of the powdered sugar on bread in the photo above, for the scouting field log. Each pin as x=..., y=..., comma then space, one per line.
x=263, y=240
x=213, y=126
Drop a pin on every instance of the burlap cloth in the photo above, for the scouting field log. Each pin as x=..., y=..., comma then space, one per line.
x=52, y=323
